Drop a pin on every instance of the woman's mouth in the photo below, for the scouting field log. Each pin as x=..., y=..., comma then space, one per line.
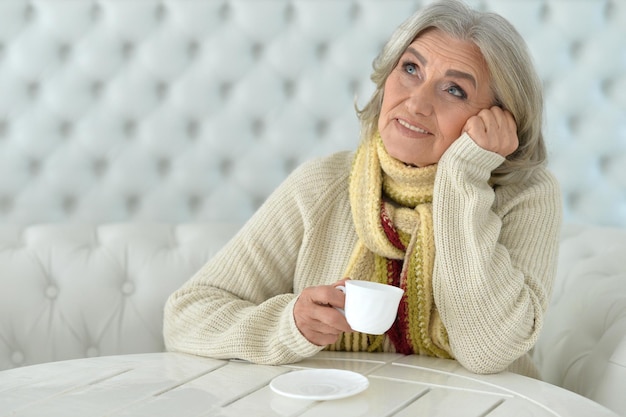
x=413, y=128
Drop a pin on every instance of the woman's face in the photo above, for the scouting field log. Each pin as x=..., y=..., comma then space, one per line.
x=437, y=85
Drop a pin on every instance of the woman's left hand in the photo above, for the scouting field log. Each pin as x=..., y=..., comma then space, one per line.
x=493, y=129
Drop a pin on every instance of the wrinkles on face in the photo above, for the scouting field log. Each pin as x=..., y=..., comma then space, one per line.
x=438, y=83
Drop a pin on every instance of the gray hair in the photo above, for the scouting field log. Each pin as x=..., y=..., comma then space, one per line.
x=514, y=80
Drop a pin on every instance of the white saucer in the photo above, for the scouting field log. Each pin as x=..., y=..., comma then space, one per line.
x=319, y=384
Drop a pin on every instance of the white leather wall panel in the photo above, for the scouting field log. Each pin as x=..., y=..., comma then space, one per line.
x=195, y=110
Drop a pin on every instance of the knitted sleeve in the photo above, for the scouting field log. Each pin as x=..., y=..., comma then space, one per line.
x=240, y=304
x=496, y=251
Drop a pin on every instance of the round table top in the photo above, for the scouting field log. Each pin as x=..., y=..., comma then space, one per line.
x=166, y=384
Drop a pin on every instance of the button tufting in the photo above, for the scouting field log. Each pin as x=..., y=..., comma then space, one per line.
x=161, y=89
x=163, y=166
x=130, y=128
x=321, y=50
x=574, y=49
x=68, y=203
x=65, y=128
x=225, y=12
x=290, y=164
x=289, y=13
x=321, y=127
x=34, y=167
x=6, y=204
x=192, y=129
x=161, y=12
x=354, y=86
x=289, y=88
x=116, y=94
x=258, y=127
x=194, y=202
x=29, y=13
x=256, y=50
x=51, y=292
x=32, y=89
x=96, y=88
x=225, y=89
x=573, y=121
x=572, y=198
x=607, y=85
x=132, y=203
x=95, y=12
x=17, y=357
x=544, y=12
x=128, y=50
x=355, y=11
x=257, y=201
x=192, y=48
x=64, y=51
x=99, y=166
x=226, y=167
x=128, y=288
x=92, y=352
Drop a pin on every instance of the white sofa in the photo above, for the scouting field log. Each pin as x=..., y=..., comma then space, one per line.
x=137, y=136
x=583, y=342
x=70, y=291
x=77, y=290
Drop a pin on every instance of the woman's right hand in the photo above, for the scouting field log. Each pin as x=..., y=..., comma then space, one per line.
x=316, y=314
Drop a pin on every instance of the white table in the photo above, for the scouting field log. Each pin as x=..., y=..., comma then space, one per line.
x=169, y=384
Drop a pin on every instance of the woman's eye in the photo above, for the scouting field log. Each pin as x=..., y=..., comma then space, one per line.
x=456, y=91
x=410, y=68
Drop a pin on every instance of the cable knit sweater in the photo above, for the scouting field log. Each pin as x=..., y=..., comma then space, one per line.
x=495, y=262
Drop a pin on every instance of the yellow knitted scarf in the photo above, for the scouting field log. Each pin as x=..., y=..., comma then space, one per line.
x=392, y=212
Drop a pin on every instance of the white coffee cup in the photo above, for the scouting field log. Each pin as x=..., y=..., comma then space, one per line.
x=370, y=307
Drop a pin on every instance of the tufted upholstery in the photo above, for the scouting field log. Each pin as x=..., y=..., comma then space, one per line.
x=136, y=136
x=162, y=110
x=70, y=291
x=583, y=343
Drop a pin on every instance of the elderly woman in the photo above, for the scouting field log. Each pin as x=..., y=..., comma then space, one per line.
x=447, y=197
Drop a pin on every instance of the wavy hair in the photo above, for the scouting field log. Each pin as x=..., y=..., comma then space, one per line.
x=514, y=80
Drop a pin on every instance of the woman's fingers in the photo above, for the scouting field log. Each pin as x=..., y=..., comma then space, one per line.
x=493, y=129
x=317, y=317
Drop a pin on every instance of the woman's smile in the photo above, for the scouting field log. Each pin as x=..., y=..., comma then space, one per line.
x=437, y=85
x=412, y=128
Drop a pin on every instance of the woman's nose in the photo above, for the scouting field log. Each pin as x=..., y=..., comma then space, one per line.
x=420, y=100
